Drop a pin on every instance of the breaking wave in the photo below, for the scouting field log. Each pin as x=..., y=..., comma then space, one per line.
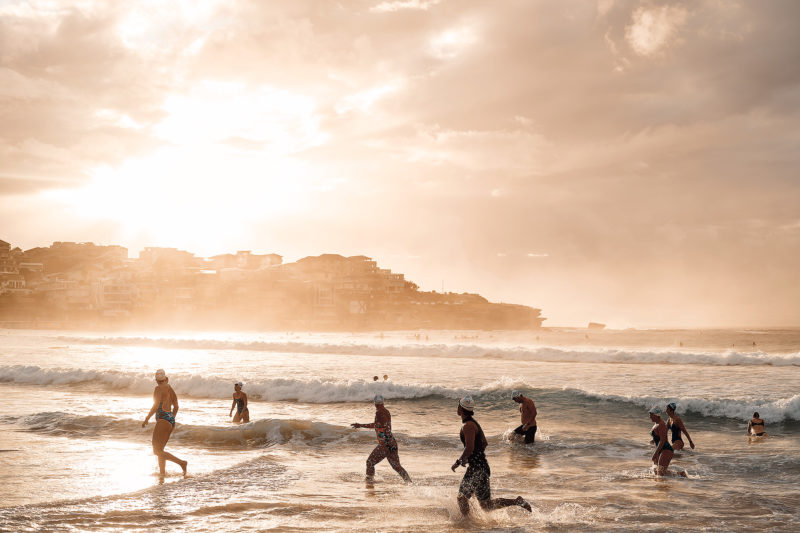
x=528, y=353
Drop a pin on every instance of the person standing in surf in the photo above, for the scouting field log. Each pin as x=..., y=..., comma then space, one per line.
x=240, y=403
x=476, y=479
x=527, y=410
x=387, y=445
x=675, y=425
x=163, y=395
x=664, y=452
x=756, y=427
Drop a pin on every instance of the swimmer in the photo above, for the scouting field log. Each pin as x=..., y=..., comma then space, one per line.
x=675, y=425
x=387, y=445
x=374, y=378
x=664, y=452
x=756, y=427
x=165, y=421
x=240, y=402
x=385, y=377
x=476, y=478
x=527, y=411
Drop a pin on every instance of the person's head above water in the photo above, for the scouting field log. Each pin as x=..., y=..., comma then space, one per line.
x=161, y=375
x=374, y=378
x=385, y=377
x=516, y=396
x=671, y=407
x=756, y=415
x=378, y=399
x=467, y=404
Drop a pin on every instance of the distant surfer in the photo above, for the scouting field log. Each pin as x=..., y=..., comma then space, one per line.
x=240, y=403
x=387, y=445
x=756, y=427
x=527, y=410
x=476, y=479
x=664, y=452
x=163, y=395
x=675, y=425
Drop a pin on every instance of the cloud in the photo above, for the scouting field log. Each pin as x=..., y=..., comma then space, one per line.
x=652, y=29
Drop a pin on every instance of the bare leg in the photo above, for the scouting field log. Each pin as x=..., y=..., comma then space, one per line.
x=663, y=462
x=499, y=503
x=677, y=445
x=237, y=418
x=394, y=460
x=161, y=435
x=246, y=416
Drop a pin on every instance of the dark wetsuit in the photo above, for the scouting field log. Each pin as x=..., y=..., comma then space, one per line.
x=656, y=441
x=476, y=478
x=676, y=431
x=161, y=414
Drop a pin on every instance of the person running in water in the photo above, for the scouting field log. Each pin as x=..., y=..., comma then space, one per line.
x=387, y=446
x=476, y=478
x=756, y=428
x=675, y=425
x=527, y=410
x=165, y=421
x=240, y=403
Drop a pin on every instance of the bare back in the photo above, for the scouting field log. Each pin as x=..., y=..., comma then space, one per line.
x=164, y=397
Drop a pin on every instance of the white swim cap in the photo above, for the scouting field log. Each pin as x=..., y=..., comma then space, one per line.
x=378, y=399
x=654, y=410
x=467, y=403
x=161, y=375
x=238, y=384
x=515, y=394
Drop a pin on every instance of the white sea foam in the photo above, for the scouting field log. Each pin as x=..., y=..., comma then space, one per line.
x=337, y=391
x=491, y=351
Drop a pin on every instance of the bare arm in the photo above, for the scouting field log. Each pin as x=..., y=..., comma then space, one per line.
x=683, y=428
x=749, y=426
x=662, y=440
x=174, y=398
x=469, y=445
x=244, y=395
x=152, y=411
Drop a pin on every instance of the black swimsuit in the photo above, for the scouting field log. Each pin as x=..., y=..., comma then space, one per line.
x=656, y=441
x=239, y=404
x=676, y=432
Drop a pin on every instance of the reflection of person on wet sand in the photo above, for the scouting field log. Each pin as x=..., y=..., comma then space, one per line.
x=756, y=427
x=165, y=421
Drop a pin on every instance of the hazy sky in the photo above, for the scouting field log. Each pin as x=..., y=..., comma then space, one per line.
x=629, y=162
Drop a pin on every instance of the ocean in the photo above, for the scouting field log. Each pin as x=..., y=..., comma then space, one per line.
x=74, y=457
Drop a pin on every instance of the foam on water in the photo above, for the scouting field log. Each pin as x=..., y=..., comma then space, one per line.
x=336, y=391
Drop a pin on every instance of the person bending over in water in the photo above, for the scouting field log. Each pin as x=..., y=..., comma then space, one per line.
x=675, y=424
x=476, y=478
x=387, y=446
x=756, y=428
x=664, y=452
x=527, y=411
x=240, y=403
x=163, y=395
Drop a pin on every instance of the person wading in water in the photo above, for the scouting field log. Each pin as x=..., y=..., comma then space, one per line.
x=163, y=395
x=476, y=478
x=387, y=446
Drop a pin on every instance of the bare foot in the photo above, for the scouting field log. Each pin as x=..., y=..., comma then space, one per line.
x=522, y=503
x=183, y=466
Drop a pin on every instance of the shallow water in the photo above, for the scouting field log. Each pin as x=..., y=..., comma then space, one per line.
x=74, y=455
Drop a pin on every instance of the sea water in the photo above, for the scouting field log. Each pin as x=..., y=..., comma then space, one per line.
x=73, y=454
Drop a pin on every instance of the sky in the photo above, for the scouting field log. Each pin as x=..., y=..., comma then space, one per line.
x=627, y=162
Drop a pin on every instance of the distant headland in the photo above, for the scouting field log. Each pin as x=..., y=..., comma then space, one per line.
x=82, y=285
